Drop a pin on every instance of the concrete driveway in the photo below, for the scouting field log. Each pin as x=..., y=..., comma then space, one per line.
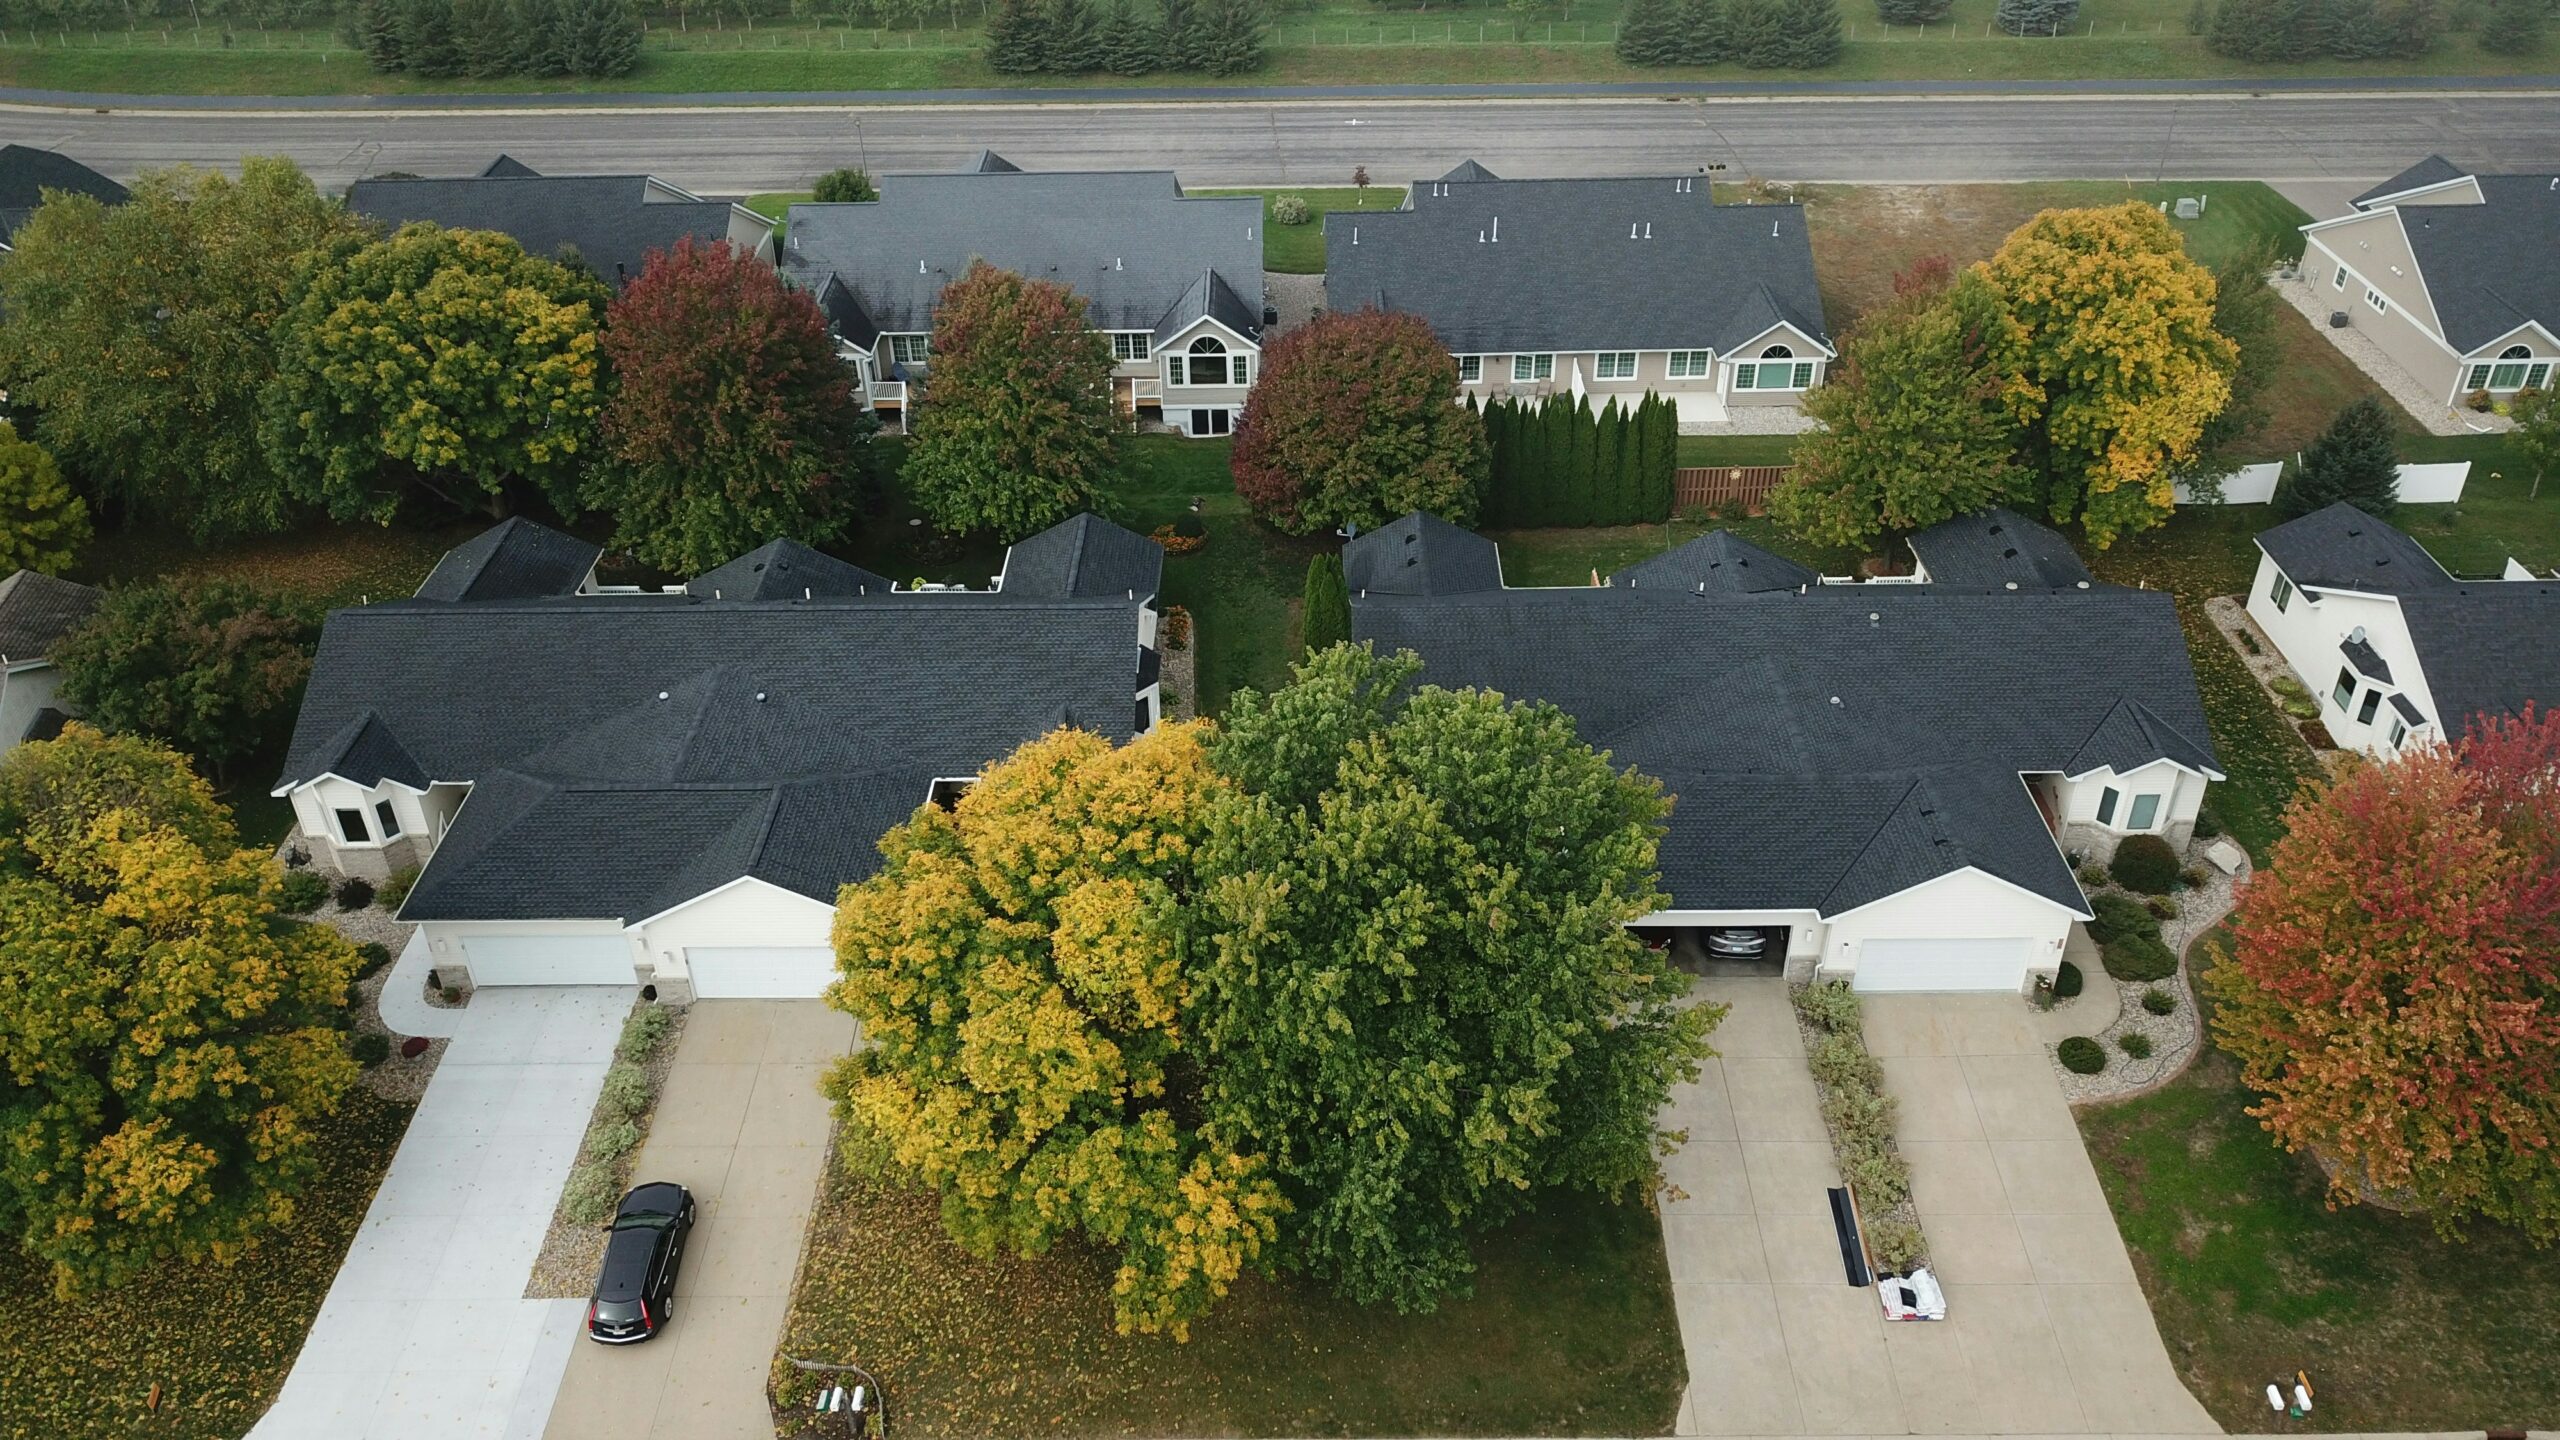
x=742, y=1125
x=2047, y=1331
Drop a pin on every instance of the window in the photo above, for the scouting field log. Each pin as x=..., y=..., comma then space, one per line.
x=2509, y=372
x=2146, y=809
x=1614, y=365
x=2372, y=702
x=351, y=828
x=2281, y=592
x=1207, y=420
x=945, y=794
x=390, y=822
x=2374, y=298
x=2107, y=799
x=2399, y=732
x=1692, y=364
x=907, y=349
x=1470, y=369
x=1208, y=363
x=1128, y=345
x=1525, y=368
x=2346, y=689
x=1770, y=374
x=2339, y=280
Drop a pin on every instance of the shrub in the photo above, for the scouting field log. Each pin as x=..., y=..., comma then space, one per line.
x=2159, y=1001
x=2081, y=1055
x=2317, y=736
x=2093, y=875
x=2067, y=981
x=1881, y=1180
x=1895, y=1245
x=1839, y=1060
x=608, y=1143
x=1291, y=210
x=391, y=894
x=626, y=1088
x=1831, y=1007
x=376, y=955
x=2162, y=906
x=2300, y=707
x=2287, y=686
x=1855, y=1110
x=2249, y=642
x=588, y=1196
x=2136, y=1044
x=452, y=994
x=370, y=1049
x=302, y=891
x=2136, y=959
x=844, y=187
x=354, y=893
x=2115, y=916
x=2195, y=877
x=1175, y=542
x=642, y=1032
x=2145, y=863
x=414, y=1046
x=2208, y=824
x=1175, y=628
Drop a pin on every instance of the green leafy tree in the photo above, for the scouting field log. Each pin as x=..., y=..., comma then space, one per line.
x=1755, y=33
x=1351, y=424
x=1705, y=33
x=2036, y=17
x=213, y=667
x=1915, y=426
x=2536, y=438
x=43, y=525
x=2247, y=312
x=1183, y=28
x=732, y=421
x=138, y=335
x=1913, y=12
x=378, y=32
x=2353, y=29
x=842, y=187
x=171, y=1039
x=1018, y=38
x=427, y=44
x=2356, y=460
x=1417, y=991
x=1812, y=29
x=1020, y=969
x=486, y=35
x=1650, y=33
x=541, y=39
x=1075, y=37
x=440, y=361
x=1325, y=607
x=1018, y=432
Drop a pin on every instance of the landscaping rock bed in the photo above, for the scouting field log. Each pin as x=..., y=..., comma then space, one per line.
x=2230, y=615
x=2428, y=410
x=2173, y=1039
x=1181, y=674
x=571, y=1250
x=1827, y=1015
x=397, y=1077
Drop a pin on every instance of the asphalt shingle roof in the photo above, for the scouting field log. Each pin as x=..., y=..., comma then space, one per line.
x=2434, y=170
x=1131, y=243
x=1083, y=558
x=2367, y=660
x=2340, y=547
x=2487, y=648
x=515, y=559
x=1832, y=746
x=1421, y=555
x=1503, y=266
x=37, y=610
x=27, y=172
x=608, y=220
x=1720, y=562
x=1998, y=548
x=2489, y=267
x=786, y=570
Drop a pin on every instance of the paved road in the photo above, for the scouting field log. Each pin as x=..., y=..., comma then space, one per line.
x=715, y=150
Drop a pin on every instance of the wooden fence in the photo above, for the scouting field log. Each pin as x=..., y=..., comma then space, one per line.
x=1715, y=486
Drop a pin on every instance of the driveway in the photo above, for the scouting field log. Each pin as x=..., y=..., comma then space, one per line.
x=2047, y=1331
x=425, y=1332
x=742, y=1125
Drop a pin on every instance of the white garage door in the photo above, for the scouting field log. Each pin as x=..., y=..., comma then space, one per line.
x=759, y=972
x=549, y=959
x=2001, y=965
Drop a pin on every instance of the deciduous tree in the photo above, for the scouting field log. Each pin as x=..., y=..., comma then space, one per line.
x=731, y=421
x=845, y=186
x=1018, y=431
x=440, y=361
x=2537, y=434
x=1020, y=968
x=2110, y=335
x=1352, y=423
x=2393, y=991
x=1417, y=994
x=2355, y=460
x=43, y=525
x=52, y=793
x=210, y=666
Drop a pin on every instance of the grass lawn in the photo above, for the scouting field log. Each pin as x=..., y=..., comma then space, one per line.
x=1570, y=1331
x=1567, y=557
x=2252, y=1276
x=217, y=1340
x=1299, y=249
x=775, y=205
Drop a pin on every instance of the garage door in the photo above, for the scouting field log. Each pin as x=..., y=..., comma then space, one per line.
x=549, y=959
x=756, y=972
x=1885, y=965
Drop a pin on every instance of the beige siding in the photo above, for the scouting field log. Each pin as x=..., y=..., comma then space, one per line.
x=2406, y=334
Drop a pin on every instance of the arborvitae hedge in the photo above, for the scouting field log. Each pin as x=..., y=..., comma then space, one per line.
x=1557, y=462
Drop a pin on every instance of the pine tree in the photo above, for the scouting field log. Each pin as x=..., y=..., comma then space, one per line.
x=378, y=30
x=2036, y=17
x=1650, y=33
x=1017, y=38
x=1130, y=44
x=540, y=41
x=2353, y=460
x=1812, y=29
x=599, y=37
x=1074, y=39
x=1705, y=33
x=484, y=33
x=2514, y=27
x=1184, y=32
x=1755, y=33
x=2354, y=30
x=1235, y=37
x=426, y=38
x=2413, y=26
x=1912, y=12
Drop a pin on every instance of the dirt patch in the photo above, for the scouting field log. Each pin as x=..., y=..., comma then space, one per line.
x=571, y=1252
x=1864, y=235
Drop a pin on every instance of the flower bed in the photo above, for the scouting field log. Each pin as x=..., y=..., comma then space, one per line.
x=1859, y=1116
x=2156, y=1030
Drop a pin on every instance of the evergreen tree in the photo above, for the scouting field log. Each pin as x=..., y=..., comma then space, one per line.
x=1017, y=38
x=1074, y=39
x=2413, y=25
x=540, y=39
x=1661, y=457
x=1324, y=607
x=1584, y=498
x=599, y=37
x=2036, y=17
x=1609, y=467
x=2514, y=27
x=1812, y=29
x=1650, y=33
x=426, y=38
x=1704, y=33
x=1755, y=33
x=378, y=26
x=1912, y=12
x=2353, y=460
x=484, y=34
x=1130, y=44
x=1184, y=32
x=1235, y=37
x=2353, y=30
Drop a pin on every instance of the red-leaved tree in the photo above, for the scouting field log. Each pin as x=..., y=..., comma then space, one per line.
x=2394, y=986
x=1355, y=422
x=731, y=422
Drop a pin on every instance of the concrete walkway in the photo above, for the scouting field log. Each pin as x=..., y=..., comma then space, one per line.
x=741, y=1124
x=425, y=1332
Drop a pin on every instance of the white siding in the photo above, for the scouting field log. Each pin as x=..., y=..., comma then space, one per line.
x=1966, y=905
x=747, y=912
x=2181, y=794
x=22, y=694
x=445, y=941
x=2308, y=632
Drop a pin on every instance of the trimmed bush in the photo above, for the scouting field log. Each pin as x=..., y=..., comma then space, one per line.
x=2081, y=1055
x=2135, y=1044
x=2195, y=877
x=1290, y=210
x=370, y=1049
x=376, y=955
x=2161, y=907
x=626, y=1088
x=2145, y=863
x=1831, y=1007
x=2115, y=916
x=1854, y=1110
x=2208, y=824
x=2287, y=686
x=609, y=1143
x=2092, y=875
x=2067, y=981
x=394, y=892
x=1895, y=1245
x=2300, y=707
x=642, y=1032
x=589, y=1195
x=1881, y=1180
x=2137, y=959
x=2317, y=736
x=1839, y=1060
x=354, y=893
x=2159, y=1001
x=303, y=891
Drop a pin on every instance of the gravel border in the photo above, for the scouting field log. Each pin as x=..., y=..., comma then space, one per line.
x=2177, y=1037
x=571, y=1253
x=2230, y=616
x=1298, y=298
x=1754, y=420
x=2428, y=410
x=1907, y=1209
x=400, y=1078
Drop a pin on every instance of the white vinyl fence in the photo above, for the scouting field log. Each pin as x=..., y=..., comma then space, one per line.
x=2419, y=484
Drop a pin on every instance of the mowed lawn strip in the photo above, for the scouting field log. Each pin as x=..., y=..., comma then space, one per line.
x=1570, y=1331
x=217, y=1340
x=2252, y=1276
x=1299, y=249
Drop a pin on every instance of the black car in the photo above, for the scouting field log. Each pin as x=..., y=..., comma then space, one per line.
x=636, y=1290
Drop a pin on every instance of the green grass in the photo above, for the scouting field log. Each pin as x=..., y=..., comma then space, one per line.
x=2251, y=1276
x=1736, y=449
x=217, y=1339
x=1299, y=249
x=775, y=205
x=1570, y=1331
x=1568, y=557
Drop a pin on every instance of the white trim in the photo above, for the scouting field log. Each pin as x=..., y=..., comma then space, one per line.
x=1827, y=352
x=2502, y=340
x=2393, y=201
x=722, y=889
x=2213, y=775
x=2074, y=913
x=1240, y=337
x=282, y=791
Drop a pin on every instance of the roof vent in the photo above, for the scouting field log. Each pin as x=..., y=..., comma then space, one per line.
x=1996, y=529
x=759, y=697
x=2356, y=636
x=2012, y=585
x=1835, y=699
x=1497, y=229
x=1773, y=229
x=2009, y=554
x=1873, y=617
x=920, y=268
x=662, y=694
x=2083, y=584
x=1355, y=234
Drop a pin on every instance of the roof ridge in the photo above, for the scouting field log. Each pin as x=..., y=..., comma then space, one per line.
x=1873, y=836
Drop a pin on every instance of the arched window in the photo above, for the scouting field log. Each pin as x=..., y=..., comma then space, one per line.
x=1777, y=369
x=2516, y=369
x=1777, y=352
x=2516, y=352
x=1207, y=360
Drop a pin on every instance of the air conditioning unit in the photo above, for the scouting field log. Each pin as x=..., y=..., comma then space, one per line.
x=2337, y=319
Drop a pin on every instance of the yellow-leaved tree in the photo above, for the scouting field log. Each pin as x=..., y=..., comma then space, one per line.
x=2114, y=362
x=1019, y=967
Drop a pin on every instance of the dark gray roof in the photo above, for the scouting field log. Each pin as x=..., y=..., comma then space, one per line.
x=629, y=752
x=508, y=167
x=610, y=221
x=2408, y=708
x=1129, y=242
x=1210, y=297
x=1469, y=170
x=2434, y=170
x=36, y=611
x=1996, y=548
x=1502, y=266
x=2489, y=267
x=1421, y=555
x=2487, y=648
x=1822, y=758
x=991, y=163
x=515, y=559
x=27, y=172
x=786, y=570
x=2339, y=547
x=1721, y=562
x=1083, y=558
x=2367, y=660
